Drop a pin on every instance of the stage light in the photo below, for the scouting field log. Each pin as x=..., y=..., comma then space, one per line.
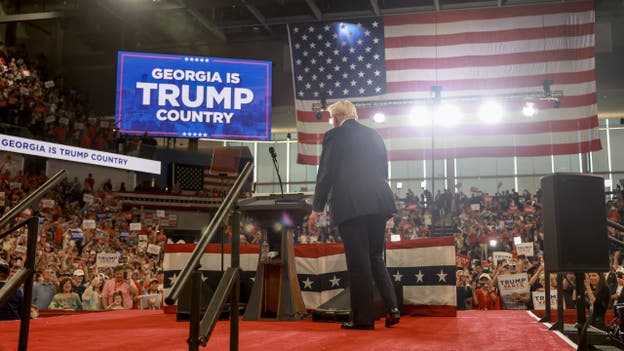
x=493, y=243
x=379, y=117
x=420, y=116
x=277, y=227
x=517, y=240
x=491, y=112
x=448, y=115
x=529, y=109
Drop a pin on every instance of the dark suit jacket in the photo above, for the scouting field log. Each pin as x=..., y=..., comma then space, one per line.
x=353, y=174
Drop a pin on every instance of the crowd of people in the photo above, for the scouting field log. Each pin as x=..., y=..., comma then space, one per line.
x=51, y=112
x=80, y=224
x=69, y=278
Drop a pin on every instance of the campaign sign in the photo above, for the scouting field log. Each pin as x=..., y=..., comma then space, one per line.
x=539, y=299
x=525, y=249
x=46, y=149
x=107, y=260
x=88, y=223
x=153, y=249
x=76, y=234
x=498, y=256
x=193, y=97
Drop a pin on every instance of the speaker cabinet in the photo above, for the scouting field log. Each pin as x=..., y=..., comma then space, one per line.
x=575, y=224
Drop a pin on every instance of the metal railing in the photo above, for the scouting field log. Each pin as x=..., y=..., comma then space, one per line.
x=229, y=286
x=25, y=275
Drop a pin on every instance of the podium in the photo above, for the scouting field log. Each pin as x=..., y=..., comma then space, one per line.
x=276, y=294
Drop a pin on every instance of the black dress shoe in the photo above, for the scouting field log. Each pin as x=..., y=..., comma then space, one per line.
x=350, y=325
x=393, y=317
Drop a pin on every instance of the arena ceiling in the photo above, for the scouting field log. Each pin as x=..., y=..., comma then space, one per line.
x=92, y=32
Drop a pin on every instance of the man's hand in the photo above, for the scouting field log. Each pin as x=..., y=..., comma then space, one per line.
x=313, y=220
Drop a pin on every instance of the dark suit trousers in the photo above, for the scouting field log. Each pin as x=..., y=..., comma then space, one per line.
x=363, y=239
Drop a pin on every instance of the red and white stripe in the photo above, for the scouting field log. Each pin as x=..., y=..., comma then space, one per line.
x=318, y=259
x=474, y=55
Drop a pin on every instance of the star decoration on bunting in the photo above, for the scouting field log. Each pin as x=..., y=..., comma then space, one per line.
x=419, y=276
x=335, y=281
x=307, y=284
x=397, y=276
x=173, y=278
x=442, y=276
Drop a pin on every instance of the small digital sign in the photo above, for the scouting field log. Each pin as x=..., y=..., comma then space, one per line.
x=193, y=97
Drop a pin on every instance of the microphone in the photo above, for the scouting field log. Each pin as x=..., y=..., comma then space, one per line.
x=279, y=178
x=272, y=153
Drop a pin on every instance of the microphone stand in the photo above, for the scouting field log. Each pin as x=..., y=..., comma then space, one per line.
x=279, y=177
x=223, y=227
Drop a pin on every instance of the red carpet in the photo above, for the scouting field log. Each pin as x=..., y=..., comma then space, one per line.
x=153, y=331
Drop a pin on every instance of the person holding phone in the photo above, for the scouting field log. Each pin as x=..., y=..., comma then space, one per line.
x=121, y=283
x=597, y=295
x=486, y=297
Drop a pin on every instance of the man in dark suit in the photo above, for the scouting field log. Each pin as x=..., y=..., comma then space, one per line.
x=353, y=178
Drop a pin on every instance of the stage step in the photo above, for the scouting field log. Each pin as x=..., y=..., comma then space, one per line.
x=599, y=339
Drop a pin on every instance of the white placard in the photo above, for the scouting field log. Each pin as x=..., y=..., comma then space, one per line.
x=88, y=223
x=2, y=197
x=15, y=185
x=50, y=119
x=539, y=301
x=104, y=124
x=142, y=238
x=525, y=249
x=142, y=246
x=106, y=260
x=475, y=207
x=88, y=198
x=24, y=91
x=160, y=213
x=150, y=301
x=92, y=120
x=501, y=256
x=427, y=219
x=6, y=245
x=79, y=126
x=20, y=249
x=135, y=226
x=153, y=249
x=47, y=203
x=49, y=84
x=64, y=120
x=45, y=149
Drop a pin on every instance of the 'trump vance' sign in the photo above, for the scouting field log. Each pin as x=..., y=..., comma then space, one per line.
x=70, y=153
x=193, y=97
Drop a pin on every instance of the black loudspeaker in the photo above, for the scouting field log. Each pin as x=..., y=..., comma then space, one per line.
x=575, y=224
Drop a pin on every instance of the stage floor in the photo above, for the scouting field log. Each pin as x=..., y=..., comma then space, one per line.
x=154, y=330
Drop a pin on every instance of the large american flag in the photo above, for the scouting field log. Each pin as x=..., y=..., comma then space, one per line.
x=194, y=178
x=390, y=64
